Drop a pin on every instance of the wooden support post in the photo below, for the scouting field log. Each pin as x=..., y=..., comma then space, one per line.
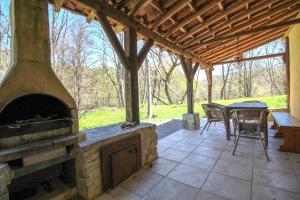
x=190, y=119
x=209, y=85
x=131, y=61
x=190, y=95
x=286, y=59
x=131, y=78
x=189, y=72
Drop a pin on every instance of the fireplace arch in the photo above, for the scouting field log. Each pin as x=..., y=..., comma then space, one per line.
x=32, y=113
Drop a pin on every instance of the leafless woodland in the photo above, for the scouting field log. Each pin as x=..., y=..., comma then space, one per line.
x=88, y=67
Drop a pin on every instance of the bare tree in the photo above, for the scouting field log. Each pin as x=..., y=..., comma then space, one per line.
x=4, y=40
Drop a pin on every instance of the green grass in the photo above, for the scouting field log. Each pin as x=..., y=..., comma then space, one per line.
x=111, y=115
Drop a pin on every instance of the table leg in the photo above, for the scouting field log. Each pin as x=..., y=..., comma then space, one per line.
x=227, y=124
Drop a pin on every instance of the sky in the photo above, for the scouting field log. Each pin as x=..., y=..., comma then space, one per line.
x=4, y=5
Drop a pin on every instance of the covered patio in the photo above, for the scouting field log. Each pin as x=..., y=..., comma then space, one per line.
x=201, y=167
x=127, y=161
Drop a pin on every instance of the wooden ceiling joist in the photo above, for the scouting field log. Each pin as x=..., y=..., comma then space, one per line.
x=259, y=43
x=255, y=42
x=278, y=17
x=255, y=30
x=128, y=21
x=239, y=45
x=169, y=13
x=253, y=21
x=251, y=58
x=139, y=6
x=254, y=9
x=192, y=17
x=211, y=21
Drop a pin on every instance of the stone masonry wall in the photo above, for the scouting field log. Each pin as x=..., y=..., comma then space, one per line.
x=5, y=178
x=88, y=162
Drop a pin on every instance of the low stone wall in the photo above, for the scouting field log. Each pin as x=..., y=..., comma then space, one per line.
x=5, y=178
x=88, y=161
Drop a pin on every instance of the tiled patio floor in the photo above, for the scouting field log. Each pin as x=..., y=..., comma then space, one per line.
x=201, y=167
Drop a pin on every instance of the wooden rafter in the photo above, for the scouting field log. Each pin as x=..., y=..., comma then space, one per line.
x=169, y=13
x=254, y=9
x=253, y=21
x=251, y=58
x=139, y=6
x=122, y=4
x=192, y=17
x=255, y=30
x=278, y=17
x=128, y=21
x=210, y=21
x=243, y=43
x=255, y=42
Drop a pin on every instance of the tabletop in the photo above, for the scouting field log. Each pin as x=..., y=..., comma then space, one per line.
x=248, y=105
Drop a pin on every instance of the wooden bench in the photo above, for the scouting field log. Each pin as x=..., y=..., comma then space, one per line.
x=287, y=127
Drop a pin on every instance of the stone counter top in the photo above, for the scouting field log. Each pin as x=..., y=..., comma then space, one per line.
x=102, y=134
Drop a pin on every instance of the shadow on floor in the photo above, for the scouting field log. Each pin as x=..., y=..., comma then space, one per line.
x=169, y=127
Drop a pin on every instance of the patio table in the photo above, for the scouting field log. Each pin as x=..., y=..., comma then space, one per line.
x=245, y=105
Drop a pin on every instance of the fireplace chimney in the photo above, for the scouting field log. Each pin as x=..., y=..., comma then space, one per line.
x=30, y=71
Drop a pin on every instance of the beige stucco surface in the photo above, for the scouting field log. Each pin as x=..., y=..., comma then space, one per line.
x=294, y=41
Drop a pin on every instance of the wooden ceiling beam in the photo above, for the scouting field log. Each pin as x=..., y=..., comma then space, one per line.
x=254, y=9
x=244, y=42
x=122, y=4
x=139, y=6
x=283, y=16
x=251, y=58
x=169, y=13
x=128, y=21
x=161, y=10
x=253, y=21
x=212, y=20
x=289, y=14
x=192, y=17
x=259, y=43
x=255, y=30
x=255, y=42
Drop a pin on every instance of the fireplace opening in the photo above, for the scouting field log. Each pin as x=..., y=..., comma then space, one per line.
x=44, y=182
x=32, y=113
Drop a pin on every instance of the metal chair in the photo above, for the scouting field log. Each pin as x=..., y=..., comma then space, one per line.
x=214, y=113
x=249, y=123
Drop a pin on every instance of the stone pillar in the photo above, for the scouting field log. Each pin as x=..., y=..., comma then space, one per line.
x=191, y=121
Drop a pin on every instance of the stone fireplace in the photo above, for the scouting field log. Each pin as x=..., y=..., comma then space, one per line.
x=38, y=117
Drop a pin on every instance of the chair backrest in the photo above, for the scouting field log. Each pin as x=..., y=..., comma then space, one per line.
x=214, y=111
x=249, y=120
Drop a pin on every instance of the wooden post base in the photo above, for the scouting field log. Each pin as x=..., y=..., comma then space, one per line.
x=191, y=121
